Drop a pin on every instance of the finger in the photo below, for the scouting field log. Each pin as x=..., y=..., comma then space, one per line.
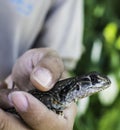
x=9, y=82
x=47, y=71
x=4, y=102
x=40, y=117
x=9, y=122
x=4, y=91
x=38, y=67
x=3, y=85
x=70, y=114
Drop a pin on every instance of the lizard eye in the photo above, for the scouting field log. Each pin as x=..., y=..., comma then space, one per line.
x=94, y=78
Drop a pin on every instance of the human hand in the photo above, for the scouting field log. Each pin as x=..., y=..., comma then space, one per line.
x=41, y=68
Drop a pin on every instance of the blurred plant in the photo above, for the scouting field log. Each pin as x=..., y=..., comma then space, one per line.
x=102, y=53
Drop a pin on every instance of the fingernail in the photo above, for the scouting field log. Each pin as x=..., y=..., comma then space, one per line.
x=19, y=101
x=43, y=77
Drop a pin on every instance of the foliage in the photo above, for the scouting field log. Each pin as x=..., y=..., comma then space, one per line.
x=102, y=53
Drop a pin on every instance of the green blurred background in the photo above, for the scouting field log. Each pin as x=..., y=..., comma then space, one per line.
x=101, y=53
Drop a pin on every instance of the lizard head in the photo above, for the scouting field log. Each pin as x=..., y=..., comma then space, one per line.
x=88, y=84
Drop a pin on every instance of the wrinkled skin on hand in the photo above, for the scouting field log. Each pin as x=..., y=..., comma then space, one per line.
x=39, y=68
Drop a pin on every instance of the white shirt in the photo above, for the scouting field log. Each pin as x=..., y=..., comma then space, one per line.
x=25, y=24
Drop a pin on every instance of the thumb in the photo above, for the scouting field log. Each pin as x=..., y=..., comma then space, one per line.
x=40, y=68
x=47, y=72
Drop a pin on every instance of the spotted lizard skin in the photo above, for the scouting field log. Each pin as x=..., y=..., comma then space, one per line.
x=68, y=90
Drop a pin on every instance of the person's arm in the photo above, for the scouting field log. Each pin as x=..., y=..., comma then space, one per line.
x=63, y=30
